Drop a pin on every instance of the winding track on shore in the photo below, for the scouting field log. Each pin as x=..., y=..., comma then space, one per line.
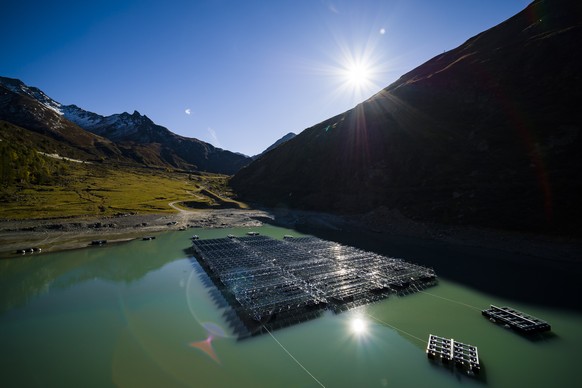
x=182, y=215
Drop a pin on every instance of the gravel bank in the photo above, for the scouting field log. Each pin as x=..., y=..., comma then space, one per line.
x=71, y=233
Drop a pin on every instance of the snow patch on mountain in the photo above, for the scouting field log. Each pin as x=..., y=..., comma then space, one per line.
x=116, y=125
x=17, y=86
x=81, y=117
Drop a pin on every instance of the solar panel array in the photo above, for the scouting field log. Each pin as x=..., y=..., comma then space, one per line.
x=268, y=277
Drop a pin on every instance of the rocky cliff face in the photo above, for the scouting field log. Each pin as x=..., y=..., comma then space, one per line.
x=486, y=134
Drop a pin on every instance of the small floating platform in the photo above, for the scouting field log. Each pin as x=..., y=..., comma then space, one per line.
x=516, y=320
x=98, y=242
x=455, y=354
x=148, y=238
x=28, y=250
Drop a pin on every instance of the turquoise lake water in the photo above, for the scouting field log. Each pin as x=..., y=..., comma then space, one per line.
x=139, y=314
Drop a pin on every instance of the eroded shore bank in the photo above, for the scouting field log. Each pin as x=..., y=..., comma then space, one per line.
x=60, y=234
x=53, y=235
x=526, y=267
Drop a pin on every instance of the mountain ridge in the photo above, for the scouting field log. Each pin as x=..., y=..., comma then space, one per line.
x=485, y=134
x=276, y=144
x=123, y=137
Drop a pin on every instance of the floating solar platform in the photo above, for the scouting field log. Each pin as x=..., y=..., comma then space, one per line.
x=518, y=321
x=272, y=283
x=454, y=354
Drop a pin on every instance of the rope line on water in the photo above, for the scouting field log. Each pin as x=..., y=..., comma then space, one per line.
x=294, y=359
x=397, y=329
x=427, y=293
x=451, y=300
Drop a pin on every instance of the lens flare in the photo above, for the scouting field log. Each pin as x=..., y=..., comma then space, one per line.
x=206, y=347
x=213, y=329
x=357, y=74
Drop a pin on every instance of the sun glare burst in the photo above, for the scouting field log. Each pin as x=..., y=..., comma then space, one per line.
x=358, y=326
x=359, y=71
x=356, y=68
x=358, y=75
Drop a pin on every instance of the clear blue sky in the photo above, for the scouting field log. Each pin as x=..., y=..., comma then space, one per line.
x=237, y=74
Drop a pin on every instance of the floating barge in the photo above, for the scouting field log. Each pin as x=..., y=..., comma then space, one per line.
x=516, y=320
x=268, y=281
x=449, y=352
x=98, y=242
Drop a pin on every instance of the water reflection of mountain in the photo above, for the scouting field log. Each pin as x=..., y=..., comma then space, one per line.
x=27, y=277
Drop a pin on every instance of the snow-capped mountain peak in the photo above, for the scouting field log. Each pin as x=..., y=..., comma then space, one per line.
x=137, y=136
x=81, y=117
x=115, y=126
x=19, y=87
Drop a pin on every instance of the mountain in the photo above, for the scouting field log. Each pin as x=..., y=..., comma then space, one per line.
x=123, y=137
x=486, y=134
x=30, y=108
x=276, y=144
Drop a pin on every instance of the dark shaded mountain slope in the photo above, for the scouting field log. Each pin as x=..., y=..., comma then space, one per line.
x=276, y=144
x=486, y=134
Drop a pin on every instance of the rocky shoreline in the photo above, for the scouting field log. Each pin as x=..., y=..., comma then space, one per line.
x=61, y=234
x=383, y=222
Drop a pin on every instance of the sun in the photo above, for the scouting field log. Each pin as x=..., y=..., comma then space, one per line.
x=357, y=75
x=357, y=68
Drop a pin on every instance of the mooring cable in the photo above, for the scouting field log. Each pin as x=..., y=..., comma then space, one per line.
x=451, y=300
x=294, y=359
x=397, y=329
x=427, y=293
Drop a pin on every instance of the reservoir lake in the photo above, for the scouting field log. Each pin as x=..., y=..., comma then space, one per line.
x=143, y=314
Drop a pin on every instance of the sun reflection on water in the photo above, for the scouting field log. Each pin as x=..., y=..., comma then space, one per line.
x=358, y=326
